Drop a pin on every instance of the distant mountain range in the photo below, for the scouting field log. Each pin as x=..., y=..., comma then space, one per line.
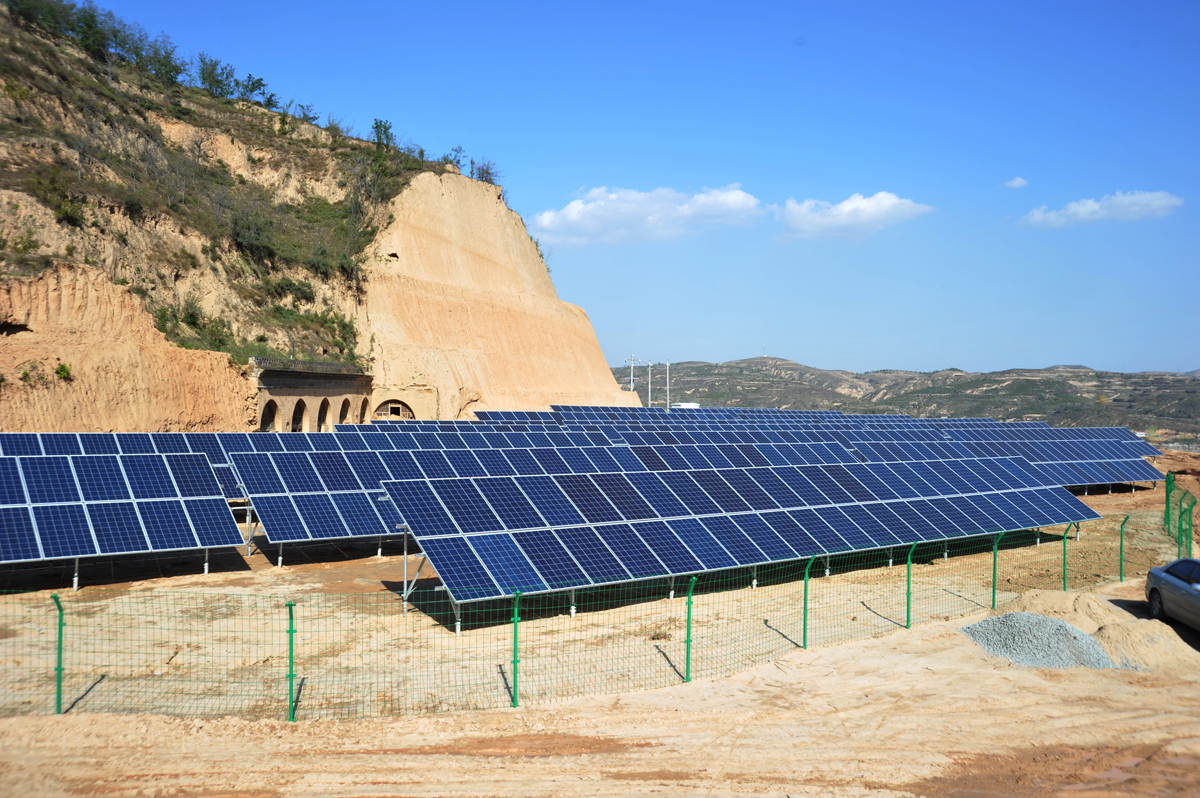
x=1059, y=395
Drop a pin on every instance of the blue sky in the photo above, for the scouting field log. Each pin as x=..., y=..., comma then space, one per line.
x=822, y=182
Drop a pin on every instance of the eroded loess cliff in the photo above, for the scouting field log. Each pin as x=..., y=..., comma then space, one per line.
x=458, y=298
x=119, y=372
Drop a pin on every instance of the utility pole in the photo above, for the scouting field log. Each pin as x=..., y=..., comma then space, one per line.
x=668, y=386
x=649, y=385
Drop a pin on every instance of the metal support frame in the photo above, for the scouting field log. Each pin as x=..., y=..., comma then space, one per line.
x=572, y=602
x=379, y=547
x=75, y=579
x=279, y=562
x=671, y=594
x=753, y=577
x=457, y=614
x=206, y=562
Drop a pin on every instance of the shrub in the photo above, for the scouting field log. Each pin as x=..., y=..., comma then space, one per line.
x=63, y=371
x=251, y=234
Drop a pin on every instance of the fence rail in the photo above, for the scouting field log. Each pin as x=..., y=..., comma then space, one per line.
x=317, y=655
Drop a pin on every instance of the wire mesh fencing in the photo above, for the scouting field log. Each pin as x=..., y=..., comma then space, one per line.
x=318, y=655
x=1178, y=516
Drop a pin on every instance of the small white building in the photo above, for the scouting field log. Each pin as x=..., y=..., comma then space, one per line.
x=685, y=406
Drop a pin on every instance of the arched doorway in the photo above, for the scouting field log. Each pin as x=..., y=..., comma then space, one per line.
x=394, y=409
x=267, y=423
x=299, y=422
x=362, y=413
x=323, y=416
x=344, y=413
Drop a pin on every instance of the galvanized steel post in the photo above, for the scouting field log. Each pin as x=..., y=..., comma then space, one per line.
x=908, y=591
x=687, y=666
x=291, y=663
x=810, y=562
x=58, y=668
x=516, y=660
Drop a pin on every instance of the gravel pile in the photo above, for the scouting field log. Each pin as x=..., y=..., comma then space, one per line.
x=1036, y=641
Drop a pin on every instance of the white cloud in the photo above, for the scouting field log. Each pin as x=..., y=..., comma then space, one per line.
x=1017, y=182
x=621, y=214
x=1119, y=207
x=854, y=217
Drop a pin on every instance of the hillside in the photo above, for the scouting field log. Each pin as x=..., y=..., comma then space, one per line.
x=1060, y=396
x=217, y=218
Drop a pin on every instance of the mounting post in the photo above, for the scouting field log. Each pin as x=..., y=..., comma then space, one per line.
x=687, y=667
x=206, y=562
x=572, y=602
x=457, y=616
x=753, y=577
x=58, y=668
x=279, y=562
x=379, y=548
x=826, y=566
x=810, y=562
x=671, y=595
x=516, y=660
x=75, y=579
x=291, y=662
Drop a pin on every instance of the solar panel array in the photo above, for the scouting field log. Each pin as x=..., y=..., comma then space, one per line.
x=585, y=467
x=80, y=505
x=492, y=536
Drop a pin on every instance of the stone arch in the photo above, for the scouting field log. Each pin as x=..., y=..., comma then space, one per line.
x=394, y=409
x=362, y=412
x=344, y=413
x=323, y=424
x=299, y=417
x=269, y=413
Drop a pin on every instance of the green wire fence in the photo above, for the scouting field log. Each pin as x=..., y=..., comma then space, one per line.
x=316, y=655
x=1178, y=516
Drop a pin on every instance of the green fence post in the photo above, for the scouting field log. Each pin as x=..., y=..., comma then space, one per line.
x=1169, y=487
x=291, y=662
x=516, y=660
x=1066, y=534
x=1190, y=510
x=1123, y=547
x=995, y=553
x=687, y=666
x=908, y=591
x=810, y=562
x=58, y=668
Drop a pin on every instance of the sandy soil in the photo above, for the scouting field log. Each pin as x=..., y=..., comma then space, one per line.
x=922, y=712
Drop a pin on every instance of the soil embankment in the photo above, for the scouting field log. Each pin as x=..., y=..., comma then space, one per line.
x=120, y=372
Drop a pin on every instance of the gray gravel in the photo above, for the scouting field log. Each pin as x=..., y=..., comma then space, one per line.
x=1036, y=641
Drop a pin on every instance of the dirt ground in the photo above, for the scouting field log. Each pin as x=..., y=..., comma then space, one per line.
x=920, y=712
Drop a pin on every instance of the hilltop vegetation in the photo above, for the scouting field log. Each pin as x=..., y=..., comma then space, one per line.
x=239, y=218
x=1060, y=396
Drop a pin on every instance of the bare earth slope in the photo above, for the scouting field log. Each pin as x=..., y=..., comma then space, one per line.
x=124, y=374
x=460, y=299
